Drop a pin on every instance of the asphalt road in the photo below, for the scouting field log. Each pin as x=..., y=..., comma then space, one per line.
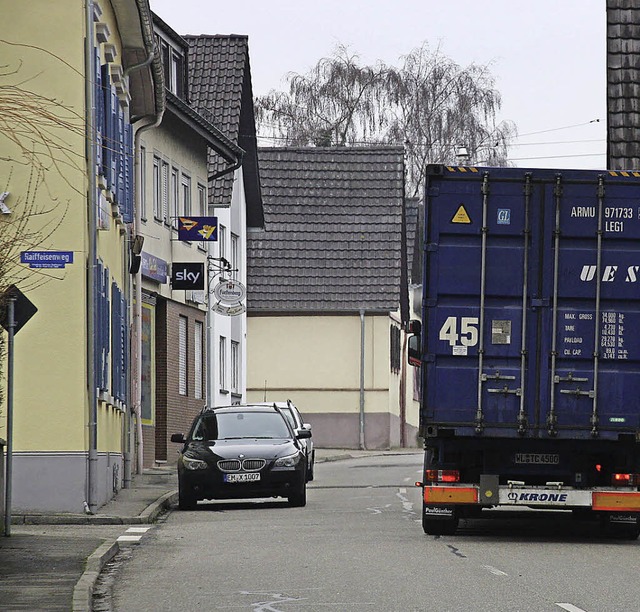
x=358, y=545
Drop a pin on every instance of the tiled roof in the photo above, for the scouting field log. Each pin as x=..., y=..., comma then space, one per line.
x=333, y=232
x=220, y=89
x=623, y=84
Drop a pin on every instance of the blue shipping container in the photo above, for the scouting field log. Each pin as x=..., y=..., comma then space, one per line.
x=531, y=304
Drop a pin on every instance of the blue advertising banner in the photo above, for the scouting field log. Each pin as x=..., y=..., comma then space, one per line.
x=46, y=259
x=201, y=229
x=154, y=268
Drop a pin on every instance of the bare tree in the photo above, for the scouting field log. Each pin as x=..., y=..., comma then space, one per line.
x=429, y=104
x=34, y=143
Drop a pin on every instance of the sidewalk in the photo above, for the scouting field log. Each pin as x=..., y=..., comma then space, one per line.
x=52, y=561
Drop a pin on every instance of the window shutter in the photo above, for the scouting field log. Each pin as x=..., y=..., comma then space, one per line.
x=106, y=122
x=164, y=189
x=99, y=118
x=182, y=356
x=128, y=173
x=198, y=360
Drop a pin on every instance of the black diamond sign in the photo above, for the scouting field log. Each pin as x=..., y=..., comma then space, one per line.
x=23, y=308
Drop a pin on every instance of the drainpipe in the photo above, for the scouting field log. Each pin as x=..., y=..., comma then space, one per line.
x=362, y=443
x=136, y=331
x=135, y=388
x=90, y=119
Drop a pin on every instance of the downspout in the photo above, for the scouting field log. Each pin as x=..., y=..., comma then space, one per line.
x=90, y=119
x=362, y=441
x=136, y=324
x=135, y=391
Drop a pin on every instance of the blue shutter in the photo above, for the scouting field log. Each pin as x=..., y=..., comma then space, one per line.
x=99, y=118
x=115, y=141
x=128, y=173
x=121, y=162
x=105, y=331
x=115, y=335
x=106, y=119
x=97, y=320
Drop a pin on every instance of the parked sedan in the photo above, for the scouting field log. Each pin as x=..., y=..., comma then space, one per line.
x=296, y=421
x=237, y=452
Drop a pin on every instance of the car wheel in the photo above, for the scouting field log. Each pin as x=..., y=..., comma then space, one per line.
x=186, y=500
x=310, y=468
x=298, y=499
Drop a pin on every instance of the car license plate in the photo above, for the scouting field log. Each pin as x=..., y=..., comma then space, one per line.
x=253, y=477
x=537, y=458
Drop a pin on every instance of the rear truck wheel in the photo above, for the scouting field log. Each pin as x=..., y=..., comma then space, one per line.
x=186, y=499
x=439, y=520
x=298, y=498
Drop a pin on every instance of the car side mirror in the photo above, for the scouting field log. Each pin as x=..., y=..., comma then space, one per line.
x=301, y=434
x=178, y=437
x=306, y=426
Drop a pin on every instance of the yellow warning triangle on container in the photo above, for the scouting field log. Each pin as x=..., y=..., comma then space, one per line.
x=461, y=215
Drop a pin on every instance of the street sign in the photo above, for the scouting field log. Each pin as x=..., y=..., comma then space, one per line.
x=229, y=311
x=46, y=259
x=23, y=308
x=188, y=276
x=198, y=229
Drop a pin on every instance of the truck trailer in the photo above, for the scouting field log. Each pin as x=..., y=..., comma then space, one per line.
x=529, y=345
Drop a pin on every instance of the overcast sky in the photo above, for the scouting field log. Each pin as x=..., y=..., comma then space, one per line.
x=548, y=56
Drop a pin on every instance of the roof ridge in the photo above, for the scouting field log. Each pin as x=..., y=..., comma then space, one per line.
x=214, y=36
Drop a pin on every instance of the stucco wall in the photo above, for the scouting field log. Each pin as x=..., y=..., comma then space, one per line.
x=315, y=362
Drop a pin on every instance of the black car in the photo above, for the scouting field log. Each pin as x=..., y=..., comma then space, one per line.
x=237, y=452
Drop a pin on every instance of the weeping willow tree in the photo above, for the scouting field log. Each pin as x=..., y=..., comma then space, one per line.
x=429, y=104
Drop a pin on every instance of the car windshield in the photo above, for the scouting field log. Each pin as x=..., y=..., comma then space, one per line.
x=237, y=425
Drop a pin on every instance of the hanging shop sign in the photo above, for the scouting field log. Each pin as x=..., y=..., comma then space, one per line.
x=198, y=229
x=229, y=311
x=154, y=268
x=229, y=291
x=187, y=275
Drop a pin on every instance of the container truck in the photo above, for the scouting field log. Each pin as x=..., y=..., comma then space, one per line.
x=529, y=345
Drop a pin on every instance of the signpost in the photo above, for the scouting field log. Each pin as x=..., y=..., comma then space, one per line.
x=17, y=311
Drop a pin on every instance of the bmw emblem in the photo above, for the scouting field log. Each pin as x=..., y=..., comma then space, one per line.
x=241, y=456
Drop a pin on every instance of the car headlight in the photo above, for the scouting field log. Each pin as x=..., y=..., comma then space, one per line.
x=288, y=461
x=191, y=463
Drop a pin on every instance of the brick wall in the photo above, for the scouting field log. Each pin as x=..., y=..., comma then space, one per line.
x=174, y=412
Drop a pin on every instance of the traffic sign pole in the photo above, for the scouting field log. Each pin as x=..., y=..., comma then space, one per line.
x=9, y=467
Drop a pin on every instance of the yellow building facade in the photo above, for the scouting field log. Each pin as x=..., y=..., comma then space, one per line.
x=67, y=162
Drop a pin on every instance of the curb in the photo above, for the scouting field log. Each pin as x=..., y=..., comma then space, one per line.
x=83, y=591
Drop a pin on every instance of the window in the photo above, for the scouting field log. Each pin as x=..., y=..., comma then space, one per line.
x=157, y=195
x=182, y=355
x=198, y=346
x=186, y=195
x=222, y=241
x=235, y=255
x=202, y=200
x=222, y=358
x=165, y=191
x=235, y=367
x=143, y=183
x=395, y=348
x=175, y=196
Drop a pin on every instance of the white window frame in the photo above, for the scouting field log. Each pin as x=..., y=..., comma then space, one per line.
x=186, y=194
x=143, y=183
x=222, y=241
x=235, y=367
x=235, y=255
x=165, y=191
x=175, y=196
x=222, y=363
x=157, y=189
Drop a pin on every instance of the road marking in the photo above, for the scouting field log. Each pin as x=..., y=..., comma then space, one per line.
x=407, y=506
x=570, y=607
x=495, y=571
x=138, y=529
x=129, y=538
